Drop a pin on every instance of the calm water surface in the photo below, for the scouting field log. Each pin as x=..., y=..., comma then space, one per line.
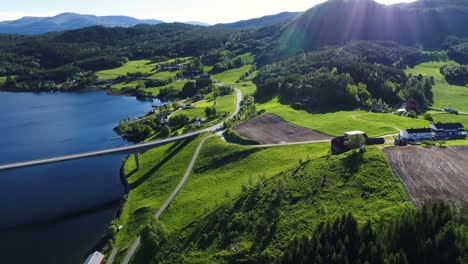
x=35, y=126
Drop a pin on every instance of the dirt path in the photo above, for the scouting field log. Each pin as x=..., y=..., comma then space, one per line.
x=378, y=123
x=430, y=174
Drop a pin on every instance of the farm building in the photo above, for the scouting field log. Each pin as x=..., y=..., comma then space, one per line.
x=414, y=136
x=338, y=144
x=449, y=130
x=434, y=132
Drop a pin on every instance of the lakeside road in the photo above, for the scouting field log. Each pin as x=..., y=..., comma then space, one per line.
x=126, y=150
x=214, y=128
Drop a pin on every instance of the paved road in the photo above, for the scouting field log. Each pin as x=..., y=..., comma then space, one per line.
x=126, y=149
x=442, y=110
x=137, y=242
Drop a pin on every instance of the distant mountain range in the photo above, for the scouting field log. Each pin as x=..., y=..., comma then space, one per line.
x=69, y=21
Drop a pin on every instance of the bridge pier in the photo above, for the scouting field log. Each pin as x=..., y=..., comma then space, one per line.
x=137, y=161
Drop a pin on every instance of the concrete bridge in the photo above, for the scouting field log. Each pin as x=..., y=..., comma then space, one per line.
x=126, y=150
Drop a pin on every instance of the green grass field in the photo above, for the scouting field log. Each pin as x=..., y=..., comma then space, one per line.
x=223, y=104
x=322, y=189
x=450, y=118
x=445, y=94
x=223, y=168
x=160, y=171
x=144, y=66
x=163, y=75
x=247, y=88
x=337, y=123
x=231, y=76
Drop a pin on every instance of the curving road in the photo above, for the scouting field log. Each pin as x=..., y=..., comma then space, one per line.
x=126, y=149
x=137, y=242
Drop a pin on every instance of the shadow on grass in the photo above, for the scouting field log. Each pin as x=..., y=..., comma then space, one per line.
x=353, y=161
x=220, y=162
x=169, y=155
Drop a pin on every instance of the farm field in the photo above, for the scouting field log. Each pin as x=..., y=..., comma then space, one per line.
x=223, y=104
x=445, y=94
x=334, y=124
x=315, y=190
x=450, y=118
x=270, y=129
x=430, y=174
x=144, y=66
x=231, y=76
x=222, y=169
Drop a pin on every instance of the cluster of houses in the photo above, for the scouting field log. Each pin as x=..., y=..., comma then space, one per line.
x=171, y=67
x=441, y=131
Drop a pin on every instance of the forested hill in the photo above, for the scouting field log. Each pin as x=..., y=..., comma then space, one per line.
x=96, y=48
x=68, y=21
x=338, y=21
x=262, y=21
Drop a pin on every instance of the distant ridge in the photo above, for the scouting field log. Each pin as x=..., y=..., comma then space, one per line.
x=68, y=21
x=262, y=21
x=197, y=23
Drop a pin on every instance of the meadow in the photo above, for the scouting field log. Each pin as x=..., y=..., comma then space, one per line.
x=222, y=169
x=223, y=104
x=144, y=66
x=336, y=123
x=445, y=94
x=160, y=171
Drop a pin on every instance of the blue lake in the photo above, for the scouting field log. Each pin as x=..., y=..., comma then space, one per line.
x=36, y=126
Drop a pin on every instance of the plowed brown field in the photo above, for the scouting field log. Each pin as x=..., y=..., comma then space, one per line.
x=432, y=174
x=271, y=129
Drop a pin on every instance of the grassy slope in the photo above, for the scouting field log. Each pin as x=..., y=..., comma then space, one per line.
x=160, y=171
x=223, y=104
x=322, y=189
x=222, y=167
x=445, y=95
x=231, y=76
x=144, y=66
x=335, y=123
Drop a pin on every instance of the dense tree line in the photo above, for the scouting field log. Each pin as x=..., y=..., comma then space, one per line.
x=98, y=47
x=455, y=74
x=340, y=77
x=429, y=235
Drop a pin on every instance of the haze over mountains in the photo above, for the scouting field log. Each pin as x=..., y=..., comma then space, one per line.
x=70, y=21
x=421, y=23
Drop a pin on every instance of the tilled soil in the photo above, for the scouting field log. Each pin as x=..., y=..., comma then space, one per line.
x=271, y=129
x=432, y=174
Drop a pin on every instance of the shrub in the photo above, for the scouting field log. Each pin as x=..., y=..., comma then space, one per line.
x=412, y=114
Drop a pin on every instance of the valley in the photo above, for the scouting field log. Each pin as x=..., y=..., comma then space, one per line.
x=333, y=135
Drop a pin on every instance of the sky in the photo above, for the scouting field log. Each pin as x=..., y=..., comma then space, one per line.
x=209, y=11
